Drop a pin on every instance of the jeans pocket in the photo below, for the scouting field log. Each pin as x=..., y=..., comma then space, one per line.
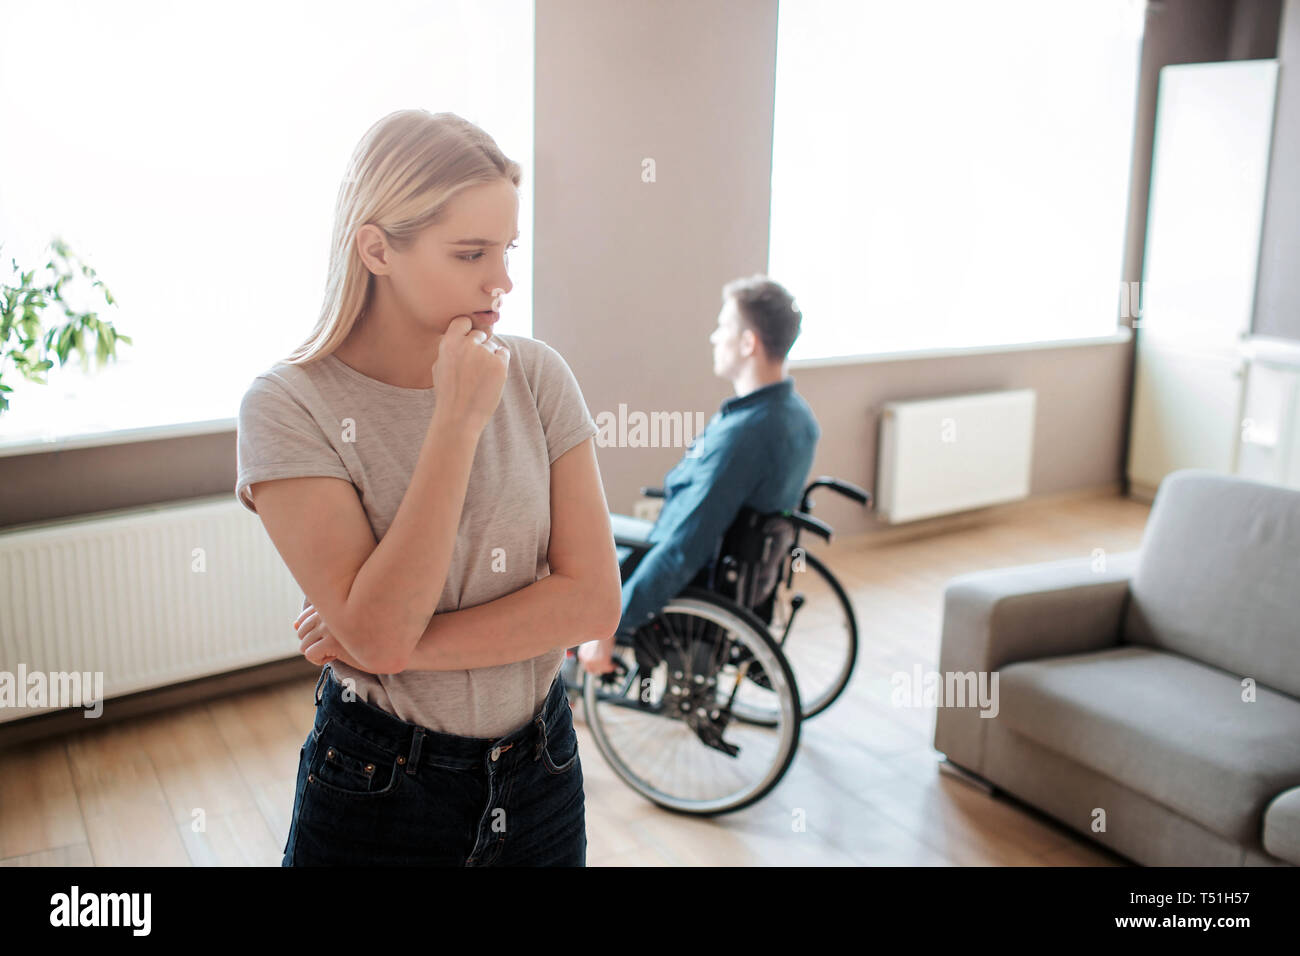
x=346, y=764
x=561, y=750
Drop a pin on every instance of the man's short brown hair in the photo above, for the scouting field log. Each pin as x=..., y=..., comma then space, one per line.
x=768, y=309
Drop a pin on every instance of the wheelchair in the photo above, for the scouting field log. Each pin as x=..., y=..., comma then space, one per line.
x=702, y=712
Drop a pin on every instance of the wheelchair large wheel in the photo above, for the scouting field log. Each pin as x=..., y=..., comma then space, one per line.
x=664, y=720
x=812, y=621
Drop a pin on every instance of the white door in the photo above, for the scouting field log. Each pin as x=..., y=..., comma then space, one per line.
x=1214, y=125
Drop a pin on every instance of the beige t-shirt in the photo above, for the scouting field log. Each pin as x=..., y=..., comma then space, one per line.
x=327, y=418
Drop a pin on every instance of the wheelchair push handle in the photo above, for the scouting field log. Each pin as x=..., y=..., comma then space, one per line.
x=652, y=492
x=846, y=488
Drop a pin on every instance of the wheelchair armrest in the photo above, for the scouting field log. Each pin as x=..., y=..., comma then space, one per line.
x=630, y=532
x=636, y=544
x=809, y=523
x=630, y=552
x=648, y=492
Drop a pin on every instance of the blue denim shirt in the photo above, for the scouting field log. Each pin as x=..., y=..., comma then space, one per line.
x=756, y=452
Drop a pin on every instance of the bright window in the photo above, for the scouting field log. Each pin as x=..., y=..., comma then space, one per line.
x=952, y=174
x=191, y=155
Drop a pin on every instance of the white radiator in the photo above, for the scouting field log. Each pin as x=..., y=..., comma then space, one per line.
x=942, y=455
x=148, y=597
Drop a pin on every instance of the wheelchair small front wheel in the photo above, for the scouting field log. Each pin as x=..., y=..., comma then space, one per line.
x=665, y=719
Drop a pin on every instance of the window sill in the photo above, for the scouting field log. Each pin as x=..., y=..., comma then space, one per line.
x=1120, y=335
x=36, y=446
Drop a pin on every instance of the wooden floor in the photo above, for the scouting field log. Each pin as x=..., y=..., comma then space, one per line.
x=865, y=775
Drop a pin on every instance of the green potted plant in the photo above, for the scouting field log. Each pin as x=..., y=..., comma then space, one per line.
x=23, y=306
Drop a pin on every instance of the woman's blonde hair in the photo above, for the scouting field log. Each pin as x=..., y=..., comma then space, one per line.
x=402, y=175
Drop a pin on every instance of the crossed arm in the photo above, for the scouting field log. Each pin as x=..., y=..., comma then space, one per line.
x=579, y=601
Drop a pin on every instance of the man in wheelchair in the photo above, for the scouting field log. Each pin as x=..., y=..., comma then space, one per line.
x=755, y=453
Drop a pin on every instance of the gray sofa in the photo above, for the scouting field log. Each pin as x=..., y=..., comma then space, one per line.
x=1122, y=680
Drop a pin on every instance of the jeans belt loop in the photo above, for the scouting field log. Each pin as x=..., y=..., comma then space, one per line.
x=417, y=741
x=541, y=738
x=320, y=680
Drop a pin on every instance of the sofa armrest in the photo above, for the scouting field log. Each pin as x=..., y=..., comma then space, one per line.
x=1281, y=835
x=1004, y=615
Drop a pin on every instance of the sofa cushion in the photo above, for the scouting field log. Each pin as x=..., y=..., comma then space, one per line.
x=1171, y=728
x=1219, y=576
x=1282, y=826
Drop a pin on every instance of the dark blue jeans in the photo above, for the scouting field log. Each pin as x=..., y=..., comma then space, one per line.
x=375, y=790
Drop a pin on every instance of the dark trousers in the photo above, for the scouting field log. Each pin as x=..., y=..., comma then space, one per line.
x=375, y=790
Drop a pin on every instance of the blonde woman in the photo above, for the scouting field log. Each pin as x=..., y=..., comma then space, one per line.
x=433, y=489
